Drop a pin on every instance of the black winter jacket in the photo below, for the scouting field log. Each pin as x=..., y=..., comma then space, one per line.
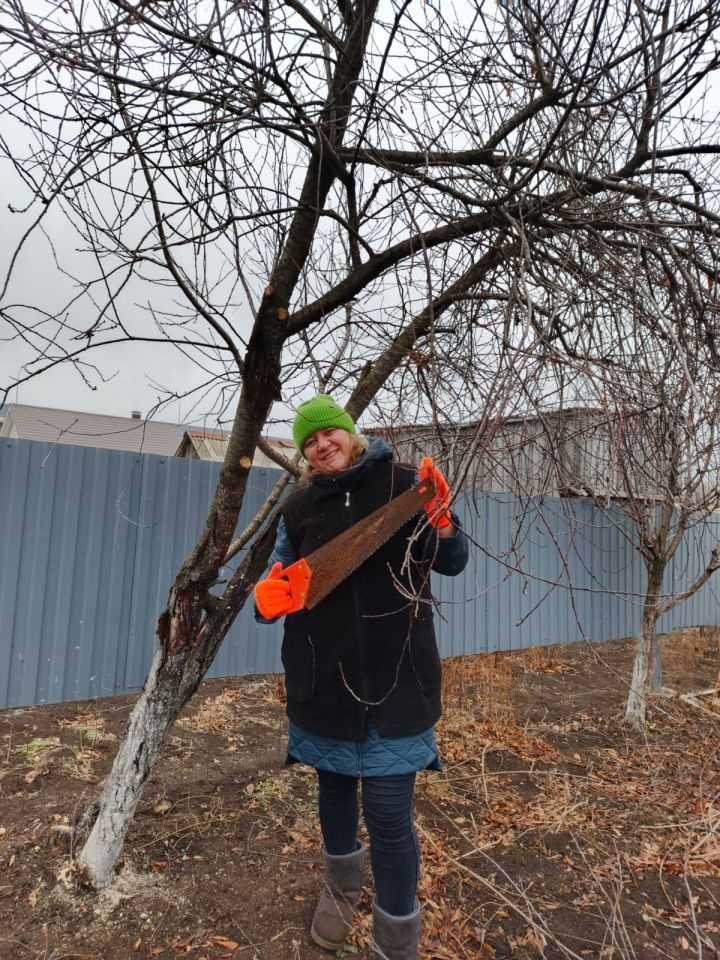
x=368, y=647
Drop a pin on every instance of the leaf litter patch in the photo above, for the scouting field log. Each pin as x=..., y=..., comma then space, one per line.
x=552, y=831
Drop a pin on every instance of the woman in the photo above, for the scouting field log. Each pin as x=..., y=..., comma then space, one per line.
x=362, y=670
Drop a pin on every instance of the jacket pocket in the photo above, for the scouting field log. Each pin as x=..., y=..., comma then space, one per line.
x=425, y=658
x=298, y=659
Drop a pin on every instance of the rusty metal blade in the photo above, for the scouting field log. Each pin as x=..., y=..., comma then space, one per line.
x=336, y=560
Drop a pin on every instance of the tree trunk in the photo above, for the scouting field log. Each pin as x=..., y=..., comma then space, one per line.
x=635, y=709
x=173, y=679
x=151, y=718
x=195, y=622
x=657, y=663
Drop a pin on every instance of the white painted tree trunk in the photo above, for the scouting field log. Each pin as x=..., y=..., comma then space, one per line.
x=152, y=716
x=640, y=684
x=188, y=646
x=635, y=708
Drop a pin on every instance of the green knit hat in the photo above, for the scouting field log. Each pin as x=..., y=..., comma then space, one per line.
x=318, y=414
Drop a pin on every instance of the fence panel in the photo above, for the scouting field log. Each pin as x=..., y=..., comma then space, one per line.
x=93, y=538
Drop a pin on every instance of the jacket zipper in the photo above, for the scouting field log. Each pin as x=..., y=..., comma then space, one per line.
x=356, y=601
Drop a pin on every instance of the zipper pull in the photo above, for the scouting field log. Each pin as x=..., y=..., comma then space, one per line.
x=347, y=498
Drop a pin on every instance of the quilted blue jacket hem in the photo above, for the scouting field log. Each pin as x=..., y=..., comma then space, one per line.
x=375, y=756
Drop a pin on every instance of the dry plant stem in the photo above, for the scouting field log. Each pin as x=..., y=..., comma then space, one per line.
x=496, y=892
x=699, y=940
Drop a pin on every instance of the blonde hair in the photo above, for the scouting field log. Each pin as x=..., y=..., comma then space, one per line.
x=358, y=447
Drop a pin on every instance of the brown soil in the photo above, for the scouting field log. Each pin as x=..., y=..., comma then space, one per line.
x=552, y=831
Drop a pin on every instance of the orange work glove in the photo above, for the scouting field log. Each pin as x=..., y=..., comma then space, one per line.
x=273, y=595
x=437, y=508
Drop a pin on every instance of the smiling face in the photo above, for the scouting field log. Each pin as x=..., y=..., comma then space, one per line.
x=329, y=450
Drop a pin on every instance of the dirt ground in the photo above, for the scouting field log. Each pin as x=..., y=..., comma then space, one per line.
x=552, y=831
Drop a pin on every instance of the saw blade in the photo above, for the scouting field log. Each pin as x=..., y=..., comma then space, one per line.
x=337, y=559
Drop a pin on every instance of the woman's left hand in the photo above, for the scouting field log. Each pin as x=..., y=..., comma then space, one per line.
x=437, y=508
x=273, y=595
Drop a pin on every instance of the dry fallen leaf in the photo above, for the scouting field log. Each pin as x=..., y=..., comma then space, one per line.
x=34, y=774
x=225, y=943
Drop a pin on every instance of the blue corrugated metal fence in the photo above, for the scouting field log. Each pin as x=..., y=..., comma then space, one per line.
x=92, y=540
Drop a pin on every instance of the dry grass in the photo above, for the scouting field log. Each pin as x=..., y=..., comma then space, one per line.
x=681, y=649
x=489, y=682
x=563, y=838
x=632, y=813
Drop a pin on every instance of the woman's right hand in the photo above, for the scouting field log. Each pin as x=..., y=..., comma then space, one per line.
x=273, y=595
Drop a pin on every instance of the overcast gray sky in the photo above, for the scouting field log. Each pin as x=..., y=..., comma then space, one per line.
x=131, y=372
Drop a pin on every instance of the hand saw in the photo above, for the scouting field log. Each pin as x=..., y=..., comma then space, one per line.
x=313, y=577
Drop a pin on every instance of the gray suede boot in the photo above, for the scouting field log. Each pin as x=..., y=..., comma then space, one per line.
x=395, y=938
x=343, y=883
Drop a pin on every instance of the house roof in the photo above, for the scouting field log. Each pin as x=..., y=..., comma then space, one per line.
x=557, y=413
x=203, y=444
x=90, y=429
x=212, y=445
x=80, y=428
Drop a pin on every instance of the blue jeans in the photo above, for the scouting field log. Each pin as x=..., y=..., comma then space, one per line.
x=387, y=809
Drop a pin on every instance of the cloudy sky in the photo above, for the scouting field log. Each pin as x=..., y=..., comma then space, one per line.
x=128, y=376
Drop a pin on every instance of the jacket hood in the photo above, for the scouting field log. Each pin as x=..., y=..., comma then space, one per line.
x=377, y=450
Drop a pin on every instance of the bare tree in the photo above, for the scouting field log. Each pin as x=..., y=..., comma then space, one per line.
x=384, y=200
x=648, y=374
x=648, y=377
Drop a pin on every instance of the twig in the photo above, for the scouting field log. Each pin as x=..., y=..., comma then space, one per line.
x=499, y=893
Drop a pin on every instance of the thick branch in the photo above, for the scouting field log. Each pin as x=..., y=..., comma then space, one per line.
x=700, y=581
